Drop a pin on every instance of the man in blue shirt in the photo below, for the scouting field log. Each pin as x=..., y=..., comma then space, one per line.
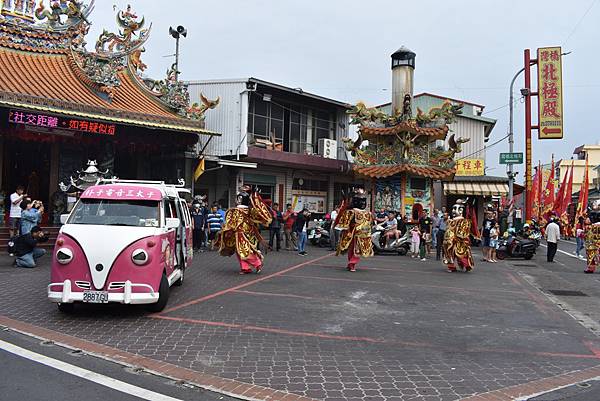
x=214, y=222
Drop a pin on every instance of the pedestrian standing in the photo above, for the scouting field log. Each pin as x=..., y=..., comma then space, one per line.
x=275, y=227
x=442, y=226
x=494, y=235
x=435, y=222
x=425, y=227
x=214, y=221
x=415, y=241
x=199, y=214
x=332, y=231
x=580, y=237
x=487, y=225
x=300, y=227
x=30, y=216
x=14, y=222
x=288, y=223
x=552, y=238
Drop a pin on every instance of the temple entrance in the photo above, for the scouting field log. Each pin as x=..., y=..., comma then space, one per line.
x=27, y=163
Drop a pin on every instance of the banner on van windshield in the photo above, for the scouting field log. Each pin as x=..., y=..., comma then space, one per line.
x=122, y=192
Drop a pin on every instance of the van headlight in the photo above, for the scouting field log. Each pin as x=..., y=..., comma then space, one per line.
x=139, y=257
x=64, y=256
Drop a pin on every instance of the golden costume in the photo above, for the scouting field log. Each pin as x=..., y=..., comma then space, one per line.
x=355, y=223
x=457, y=241
x=240, y=234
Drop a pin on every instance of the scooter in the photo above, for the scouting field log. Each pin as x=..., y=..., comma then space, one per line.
x=516, y=248
x=319, y=234
x=399, y=246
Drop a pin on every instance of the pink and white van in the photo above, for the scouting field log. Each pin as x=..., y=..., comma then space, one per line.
x=124, y=241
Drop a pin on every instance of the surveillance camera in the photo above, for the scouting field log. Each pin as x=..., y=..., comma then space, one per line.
x=251, y=86
x=525, y=92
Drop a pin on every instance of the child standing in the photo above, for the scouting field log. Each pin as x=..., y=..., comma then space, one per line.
x=494, y=234
x=415, y=241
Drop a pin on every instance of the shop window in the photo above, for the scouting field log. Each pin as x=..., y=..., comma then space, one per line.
x=309, y=185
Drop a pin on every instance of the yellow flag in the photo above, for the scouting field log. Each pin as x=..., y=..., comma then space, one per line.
x=199, y=170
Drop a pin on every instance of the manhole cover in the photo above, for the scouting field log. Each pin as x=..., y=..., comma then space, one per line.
x=567, y=293
x=524, y=265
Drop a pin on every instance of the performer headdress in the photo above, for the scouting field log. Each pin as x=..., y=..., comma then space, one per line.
x=243, y=196
x=359, y=198
x=459, y=208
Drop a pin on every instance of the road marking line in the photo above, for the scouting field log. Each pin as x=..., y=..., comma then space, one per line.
x=239, y=287
x=85, y=374
x=566, y=253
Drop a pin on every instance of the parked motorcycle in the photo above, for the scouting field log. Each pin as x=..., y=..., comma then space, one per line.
x=399, y=246
x=318, y=235
x=516, y=248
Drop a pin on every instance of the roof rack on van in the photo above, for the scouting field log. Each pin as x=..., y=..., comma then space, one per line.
x=180, y=184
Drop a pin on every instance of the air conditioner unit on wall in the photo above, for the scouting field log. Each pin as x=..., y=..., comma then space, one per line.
x=328, y=148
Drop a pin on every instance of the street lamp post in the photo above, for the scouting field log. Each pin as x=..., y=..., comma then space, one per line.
x=177, y=33
x=511, y=142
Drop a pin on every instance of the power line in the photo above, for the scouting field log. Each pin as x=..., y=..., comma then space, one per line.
x=580, y=21
x=485, y=148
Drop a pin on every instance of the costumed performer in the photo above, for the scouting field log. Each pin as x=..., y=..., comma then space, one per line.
x=457, y=241
x=592, y=237
x=355, y=223
x=240, y=233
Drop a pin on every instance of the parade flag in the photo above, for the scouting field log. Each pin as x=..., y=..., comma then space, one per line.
x=199, y=170
x=548, y=195
x=538, y=194
x=558, y=201
x=564, y=211
x=472, y=215
x=568, y=198
x=583, y=194
x=535, y=191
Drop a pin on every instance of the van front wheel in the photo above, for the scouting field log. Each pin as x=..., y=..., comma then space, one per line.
x=163, y=296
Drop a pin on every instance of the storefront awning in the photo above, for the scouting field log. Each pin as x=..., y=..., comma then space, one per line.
x=476, y=188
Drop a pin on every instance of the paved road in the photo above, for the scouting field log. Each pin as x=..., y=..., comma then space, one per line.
x=398, y=329
x=32, y=371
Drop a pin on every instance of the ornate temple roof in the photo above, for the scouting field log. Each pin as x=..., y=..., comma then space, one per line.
x=383, y=171
x=402, y=143
x=405, y=126
x=45, y=67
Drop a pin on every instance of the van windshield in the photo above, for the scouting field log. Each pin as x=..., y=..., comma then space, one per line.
x=107, y=212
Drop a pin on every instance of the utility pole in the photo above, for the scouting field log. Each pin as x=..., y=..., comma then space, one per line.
x=511, y=142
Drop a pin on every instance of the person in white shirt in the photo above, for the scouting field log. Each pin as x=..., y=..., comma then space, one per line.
x=552, y=237
x=15, y=211
x=334, y=234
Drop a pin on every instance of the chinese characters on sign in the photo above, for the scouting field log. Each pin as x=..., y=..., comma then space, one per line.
x=550, y=93
x=470, y=167
x=46, y=121
x=121, y=192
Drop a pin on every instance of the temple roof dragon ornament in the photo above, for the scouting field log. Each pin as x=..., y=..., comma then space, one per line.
x=403, y=142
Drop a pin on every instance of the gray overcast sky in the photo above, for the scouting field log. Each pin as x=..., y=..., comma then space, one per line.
x=467, y=49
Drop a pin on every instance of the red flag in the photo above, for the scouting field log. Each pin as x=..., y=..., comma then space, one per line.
x=568, y=193
x=558, y=201
x=548, y=195
x=583, y=194
x=535, y=191
x=472, y=215
x=564, y=215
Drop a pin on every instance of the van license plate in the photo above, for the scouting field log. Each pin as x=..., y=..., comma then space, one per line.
x=95, y=297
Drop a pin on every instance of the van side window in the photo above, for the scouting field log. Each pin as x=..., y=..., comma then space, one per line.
x=168, y=210
x=174, y=211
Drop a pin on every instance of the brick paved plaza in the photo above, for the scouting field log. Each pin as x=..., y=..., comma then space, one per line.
x=398, y=329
